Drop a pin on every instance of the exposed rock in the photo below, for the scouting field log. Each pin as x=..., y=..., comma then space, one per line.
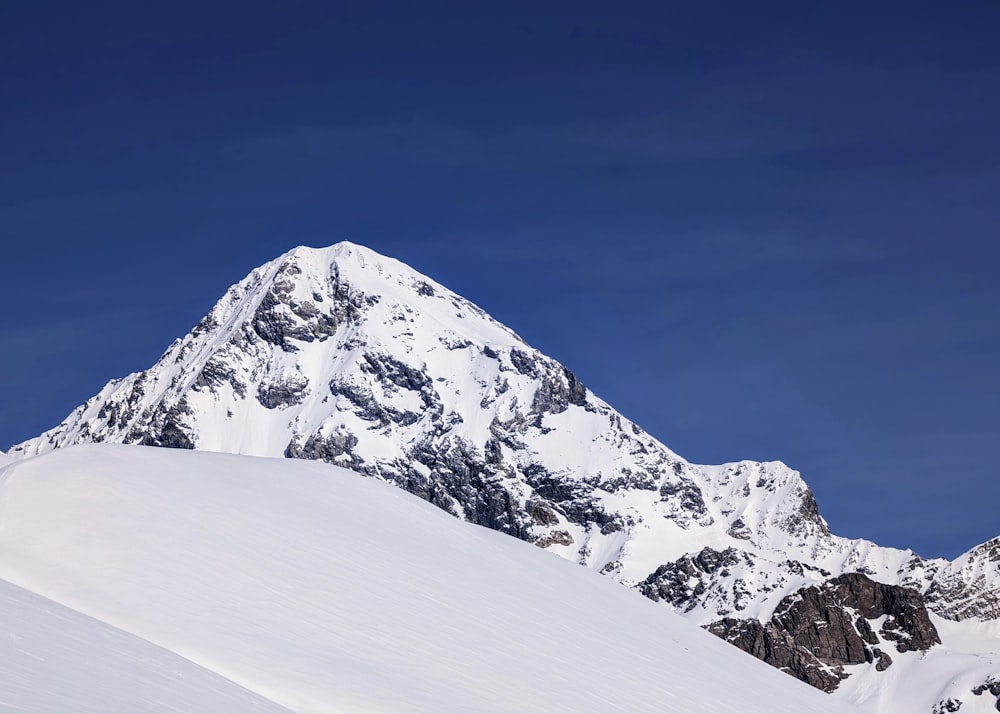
x=686, y=501
x=285, y=392
x=779, y=649
x=738, y=529
x=807, y=515
x=555, y=538
x=815, y=631
x=683, y=582
x=523, y=363
x=559, y=389
x=165, y=427
x=279, y=318
x=971, y=589
x=336, y=448
x=217, y=371
x=541, y=513
x=425, y=289
x=574, y=499
x=991, y=685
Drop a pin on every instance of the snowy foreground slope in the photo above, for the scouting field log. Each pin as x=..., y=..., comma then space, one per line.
x=345, y=356
x=55, y=660
x=324, y=591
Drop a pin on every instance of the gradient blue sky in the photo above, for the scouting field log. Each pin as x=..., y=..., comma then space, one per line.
x=761, y=230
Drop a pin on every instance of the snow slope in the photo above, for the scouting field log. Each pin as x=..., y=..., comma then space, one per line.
x=946, y=672
x=54, y=660
x=325, y=591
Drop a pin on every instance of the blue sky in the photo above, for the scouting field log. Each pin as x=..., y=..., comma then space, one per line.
x=762, y=230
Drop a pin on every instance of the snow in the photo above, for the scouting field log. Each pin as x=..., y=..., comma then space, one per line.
x=762, y=510
x=917, y=680
x=55, y=660
x=325, y=591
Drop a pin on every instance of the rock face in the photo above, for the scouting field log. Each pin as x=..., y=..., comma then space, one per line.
x=819, y=629
x=989, y=687
x=345, y=356
x=969, y=586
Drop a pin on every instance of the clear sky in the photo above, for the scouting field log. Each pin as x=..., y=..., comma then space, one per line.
x=760, y=230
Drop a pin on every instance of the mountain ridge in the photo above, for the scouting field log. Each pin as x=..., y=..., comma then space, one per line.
x=345, y=356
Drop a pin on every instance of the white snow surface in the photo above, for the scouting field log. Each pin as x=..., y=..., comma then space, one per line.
x=917, y=680
x=55, y=660
x=323, y=591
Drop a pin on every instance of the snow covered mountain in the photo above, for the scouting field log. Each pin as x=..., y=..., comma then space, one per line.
x=352, y=358
x=272, y=585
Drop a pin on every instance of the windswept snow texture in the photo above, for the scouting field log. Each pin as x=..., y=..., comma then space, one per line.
x=325, y=591
x=54, y=660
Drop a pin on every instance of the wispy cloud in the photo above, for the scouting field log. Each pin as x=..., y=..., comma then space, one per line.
x=665, y=139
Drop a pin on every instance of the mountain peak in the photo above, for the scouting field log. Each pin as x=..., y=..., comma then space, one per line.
x=344, y=253
x=342, y=355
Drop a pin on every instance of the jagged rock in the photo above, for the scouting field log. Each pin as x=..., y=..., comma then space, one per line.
x=779, y=649
x=738, y=529
x=682, y=582
x=336, y=448
x=574, y=499
x=813, y=632
x=285, y=392
x=969, y=587
x=523, y=363
x=907, y=622
x=947, y=706
x=219, y=370
x=555, y=538
x=991, y=685
x=542, y=513
x=882, y=660
x=166, y=427
x=807, y=515
x=685, y=501
x=559, y=389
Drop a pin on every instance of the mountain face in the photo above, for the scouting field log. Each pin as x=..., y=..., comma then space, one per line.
x=345, y=356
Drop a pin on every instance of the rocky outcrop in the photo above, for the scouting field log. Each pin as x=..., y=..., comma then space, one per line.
x=815, y=632
x=683, y=582
x=990, y=685
x=970, y=586
x=286, y=391
x=165, y=426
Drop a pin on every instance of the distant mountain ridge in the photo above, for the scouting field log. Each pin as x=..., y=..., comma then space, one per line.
x=343, y=355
